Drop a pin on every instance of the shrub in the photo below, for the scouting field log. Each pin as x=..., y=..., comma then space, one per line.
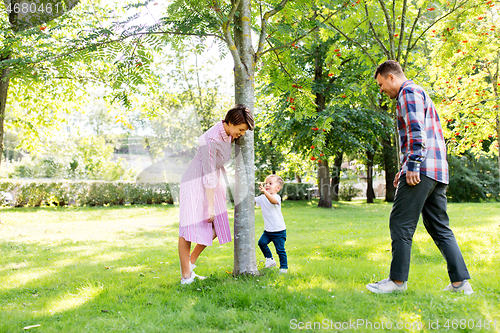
x=473, y=179
x=88, y=162
x=89, y=193
x=34, y=193
x=348, y=192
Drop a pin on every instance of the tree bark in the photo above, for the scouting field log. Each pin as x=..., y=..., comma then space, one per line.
x=325, y=193
x=370, y=194
x=272, y=159
x=389, y=154
x=337, y=168
x=4, y=89
x=297, y=178
x=244, y=214
x=498, y=140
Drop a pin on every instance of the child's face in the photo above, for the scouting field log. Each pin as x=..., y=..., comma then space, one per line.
x=271, y=185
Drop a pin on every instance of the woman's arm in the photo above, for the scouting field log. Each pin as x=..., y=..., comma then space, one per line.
x=210, y=199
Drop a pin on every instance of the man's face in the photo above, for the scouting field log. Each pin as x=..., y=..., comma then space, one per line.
x=388, y=85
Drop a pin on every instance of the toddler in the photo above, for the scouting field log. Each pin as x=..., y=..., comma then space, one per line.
x=274, y=224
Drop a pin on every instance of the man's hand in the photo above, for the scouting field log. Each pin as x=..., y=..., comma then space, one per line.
x=412, y=178
x=395, y=182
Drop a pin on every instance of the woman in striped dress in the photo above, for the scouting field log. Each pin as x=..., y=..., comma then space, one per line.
x=202, y=200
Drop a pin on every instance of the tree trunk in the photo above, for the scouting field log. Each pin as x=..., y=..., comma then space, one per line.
x=244, y=214
x=325, y=193
x=337, y=168
x=389, y=154
x=498, y=140
x=4, y=89
x=272, y=159
x=297, y=178
x=370, y=194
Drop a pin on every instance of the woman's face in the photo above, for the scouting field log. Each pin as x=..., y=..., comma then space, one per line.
x=236, y=130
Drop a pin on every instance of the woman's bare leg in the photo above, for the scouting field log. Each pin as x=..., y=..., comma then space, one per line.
x=198, y=249
x=184, y=248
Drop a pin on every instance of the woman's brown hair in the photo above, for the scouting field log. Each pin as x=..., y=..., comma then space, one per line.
x=240, y=114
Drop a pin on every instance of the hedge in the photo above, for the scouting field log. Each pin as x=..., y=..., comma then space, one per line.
x=85, y=193
x=35, y=193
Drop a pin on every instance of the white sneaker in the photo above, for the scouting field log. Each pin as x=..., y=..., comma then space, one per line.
x=463, y=287
x=283, y=270
x=189, y=280
x=191, y=266
x=385, y=286
x=270, y=262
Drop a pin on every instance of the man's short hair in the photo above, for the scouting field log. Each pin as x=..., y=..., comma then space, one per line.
x=388, y=67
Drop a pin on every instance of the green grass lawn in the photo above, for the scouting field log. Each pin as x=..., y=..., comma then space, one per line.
x=114, y=269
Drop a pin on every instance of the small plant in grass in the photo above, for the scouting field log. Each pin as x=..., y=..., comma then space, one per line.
x=349, y=192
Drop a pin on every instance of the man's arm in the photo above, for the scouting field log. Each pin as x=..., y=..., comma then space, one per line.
x=413, y=112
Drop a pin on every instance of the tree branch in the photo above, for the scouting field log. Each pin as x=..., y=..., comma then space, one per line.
x=455, y=9
x=363, y=49
x=227, y=34
x=389, y=28
x=263, y=30
x=299, y=38
x=410, y=37
x=402, y=30
x=282, y=66
x=111, y=41
x=384, y=49
x=394, y=15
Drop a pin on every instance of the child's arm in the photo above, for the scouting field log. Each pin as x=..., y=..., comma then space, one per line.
x=269, y=196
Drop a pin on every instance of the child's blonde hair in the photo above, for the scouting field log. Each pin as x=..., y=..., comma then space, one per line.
x=278, y=178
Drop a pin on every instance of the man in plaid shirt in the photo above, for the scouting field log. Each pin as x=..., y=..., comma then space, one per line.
x=421, y=183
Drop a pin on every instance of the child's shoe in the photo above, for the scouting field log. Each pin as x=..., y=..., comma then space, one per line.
x=270, y=262
x=283, y=270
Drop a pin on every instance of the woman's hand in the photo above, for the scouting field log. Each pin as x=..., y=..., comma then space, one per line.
x=211, y=214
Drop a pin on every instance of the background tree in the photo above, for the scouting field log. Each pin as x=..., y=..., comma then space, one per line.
x=466, y=77
x=305, y=79
x=232, y=23
x=25, y=61
x=379, y=30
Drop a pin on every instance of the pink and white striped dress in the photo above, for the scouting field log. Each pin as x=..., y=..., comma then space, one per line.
x=205, y=171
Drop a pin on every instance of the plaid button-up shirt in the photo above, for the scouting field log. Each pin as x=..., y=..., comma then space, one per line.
x=421, y=136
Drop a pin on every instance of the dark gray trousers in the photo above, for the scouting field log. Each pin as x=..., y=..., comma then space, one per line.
x=429, y=198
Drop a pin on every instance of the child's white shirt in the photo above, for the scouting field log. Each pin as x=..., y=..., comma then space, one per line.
x=273, y=219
